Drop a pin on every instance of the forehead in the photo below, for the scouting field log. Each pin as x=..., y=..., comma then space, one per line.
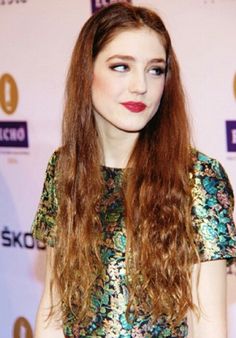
x=135, y=42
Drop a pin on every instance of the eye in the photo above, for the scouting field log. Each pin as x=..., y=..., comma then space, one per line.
x=157, y=71
x=120, y=67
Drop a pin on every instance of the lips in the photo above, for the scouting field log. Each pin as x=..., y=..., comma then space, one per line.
x=134, y=107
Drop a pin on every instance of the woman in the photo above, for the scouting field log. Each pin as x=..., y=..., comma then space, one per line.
x=129, y=211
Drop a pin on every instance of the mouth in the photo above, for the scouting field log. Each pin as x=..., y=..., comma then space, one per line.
x=134, y=107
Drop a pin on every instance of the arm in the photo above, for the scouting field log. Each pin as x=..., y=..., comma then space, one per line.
x=48, y=328
x=212, y=298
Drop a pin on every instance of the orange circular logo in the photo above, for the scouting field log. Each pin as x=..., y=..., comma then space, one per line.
x=22, y=328
x=8, y=94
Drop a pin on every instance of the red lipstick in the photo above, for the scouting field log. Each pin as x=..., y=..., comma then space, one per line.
x=134, y=107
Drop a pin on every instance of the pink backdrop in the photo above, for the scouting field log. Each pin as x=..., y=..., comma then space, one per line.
x=36, y=39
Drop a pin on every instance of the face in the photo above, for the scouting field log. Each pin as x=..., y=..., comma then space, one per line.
x=128, y=81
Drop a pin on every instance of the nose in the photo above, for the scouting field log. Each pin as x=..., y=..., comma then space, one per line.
x=138, y=82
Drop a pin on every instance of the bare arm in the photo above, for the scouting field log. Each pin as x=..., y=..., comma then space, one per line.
x=212, y=298
x=47, y=328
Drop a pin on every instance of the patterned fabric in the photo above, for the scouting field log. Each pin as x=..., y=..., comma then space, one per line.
x=212, y=211
x=215, y=236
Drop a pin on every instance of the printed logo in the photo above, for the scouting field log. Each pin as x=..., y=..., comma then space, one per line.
x=22, y=328
x=231, y=135
x=21, y=240
x=12, y=2
x=12, y=133
x=8, y=94
x=98, y=4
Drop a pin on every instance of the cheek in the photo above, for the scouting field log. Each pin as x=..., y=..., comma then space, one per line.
x=159, y=91
x=98, y=86
x=105, y=86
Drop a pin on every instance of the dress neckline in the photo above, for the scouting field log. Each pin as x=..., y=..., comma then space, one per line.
x=104, y=167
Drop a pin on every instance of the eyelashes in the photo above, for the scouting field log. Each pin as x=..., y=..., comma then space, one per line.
x=123, y=68
x=157, y=71
x=120, y=68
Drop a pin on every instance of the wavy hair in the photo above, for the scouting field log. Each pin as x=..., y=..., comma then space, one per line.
x=160, y=249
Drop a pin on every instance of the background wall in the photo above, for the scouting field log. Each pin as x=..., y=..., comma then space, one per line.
x=36, y=40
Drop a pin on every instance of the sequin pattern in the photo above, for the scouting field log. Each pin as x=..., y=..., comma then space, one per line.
x=215, y=238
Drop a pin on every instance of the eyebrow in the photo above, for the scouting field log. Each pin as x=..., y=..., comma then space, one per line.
x=131, y=58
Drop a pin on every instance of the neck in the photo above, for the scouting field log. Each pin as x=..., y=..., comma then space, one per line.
x=117, y=146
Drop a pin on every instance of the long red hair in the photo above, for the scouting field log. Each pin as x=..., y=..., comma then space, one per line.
x=160, y=248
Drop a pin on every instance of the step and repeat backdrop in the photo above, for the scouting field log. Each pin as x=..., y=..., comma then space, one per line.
x=36, y=41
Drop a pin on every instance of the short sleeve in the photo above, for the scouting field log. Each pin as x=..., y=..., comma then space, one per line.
x=44, y=224
x=212, y=211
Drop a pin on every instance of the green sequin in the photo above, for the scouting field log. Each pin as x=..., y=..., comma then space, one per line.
x=212, y=216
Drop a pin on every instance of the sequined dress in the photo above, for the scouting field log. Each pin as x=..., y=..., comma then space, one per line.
x=215, y=236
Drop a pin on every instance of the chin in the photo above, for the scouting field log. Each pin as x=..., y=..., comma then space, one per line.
x=134, y=128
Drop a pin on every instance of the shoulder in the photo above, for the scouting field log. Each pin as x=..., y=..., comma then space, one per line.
x=43, y=227
x=210, y=179
x=206, y=166
x=212, y=212
x=53, y=160
x=51, y=169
